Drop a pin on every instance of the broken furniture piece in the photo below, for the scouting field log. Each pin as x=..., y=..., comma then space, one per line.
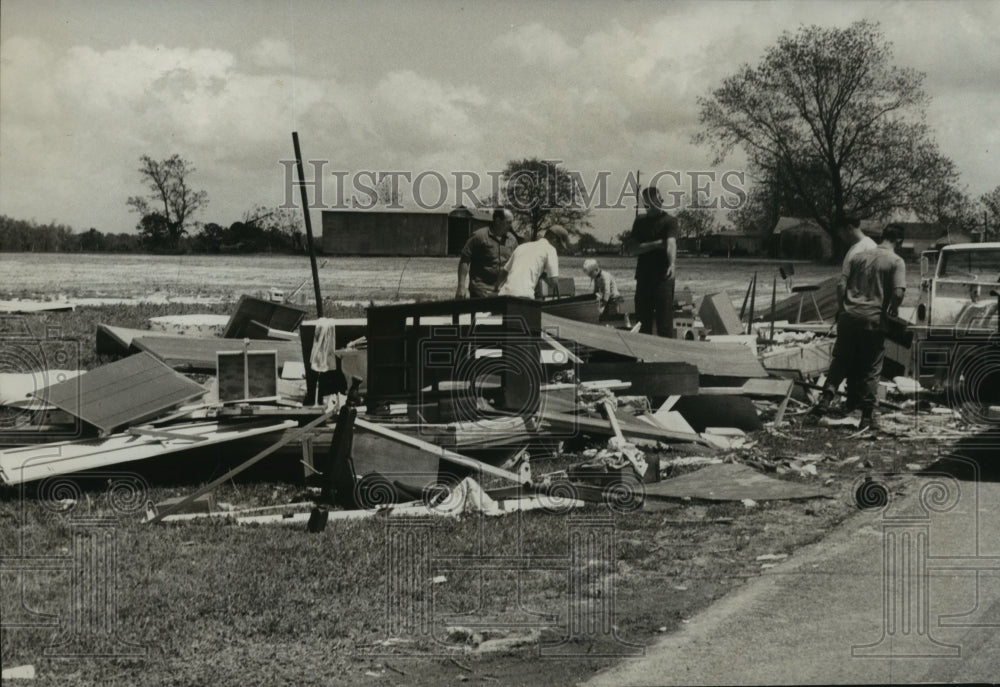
x=449, y=349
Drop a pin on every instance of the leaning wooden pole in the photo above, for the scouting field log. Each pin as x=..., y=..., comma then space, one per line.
x=774, y=292
x=309, y=232
x=753, y=303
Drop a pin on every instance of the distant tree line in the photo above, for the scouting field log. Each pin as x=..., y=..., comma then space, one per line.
x=26, y=236
x=260, y=231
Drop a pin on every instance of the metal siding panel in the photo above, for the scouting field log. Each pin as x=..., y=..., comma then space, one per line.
x=122, y=393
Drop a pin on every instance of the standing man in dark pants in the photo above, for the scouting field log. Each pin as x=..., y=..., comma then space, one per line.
x=484, y=255
x=656, y=236
x=872, y=284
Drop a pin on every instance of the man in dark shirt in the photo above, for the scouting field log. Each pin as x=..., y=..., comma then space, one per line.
x=484, y=255
x=656, y=237
x=871, y=287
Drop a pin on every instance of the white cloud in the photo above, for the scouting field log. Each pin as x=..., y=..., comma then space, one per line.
x=270, y=53
x=538, y=45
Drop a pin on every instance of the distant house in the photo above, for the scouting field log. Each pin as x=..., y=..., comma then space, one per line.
x=802, y=238
x=391, y=232
x=921, y=236
x=730, y=243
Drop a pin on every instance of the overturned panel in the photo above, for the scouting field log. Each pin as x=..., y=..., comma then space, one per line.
x=32, y=463
x=274, y=315
x=121, y=393
x=190, y=353
x=711, y=359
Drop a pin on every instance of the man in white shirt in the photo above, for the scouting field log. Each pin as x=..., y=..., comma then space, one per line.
x=530, y=261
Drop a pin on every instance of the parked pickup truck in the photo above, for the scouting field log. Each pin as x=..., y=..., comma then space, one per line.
x=958, y=287
x=955, y=344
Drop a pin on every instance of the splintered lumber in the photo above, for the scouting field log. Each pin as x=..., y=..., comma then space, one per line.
x=755, y=388
x=295, y=435
x=122, y=393
x=443, y=453
x=712, y=359
x=201, y=354
x=826, y=300
x=647, y=379
x=32, y=463
x=600, y=427
x=811, y=359
x=717, y=314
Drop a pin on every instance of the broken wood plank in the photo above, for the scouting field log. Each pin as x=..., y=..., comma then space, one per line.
x=599, y=427
x=714, y=359
x=444, y=454
x=122, y=393
x=759, y=388
x=810, y=359
x=298, y=434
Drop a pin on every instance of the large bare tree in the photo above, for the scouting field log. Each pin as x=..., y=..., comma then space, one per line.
x=828, y=115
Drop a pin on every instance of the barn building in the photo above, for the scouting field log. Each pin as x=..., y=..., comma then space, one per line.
x=389, y=232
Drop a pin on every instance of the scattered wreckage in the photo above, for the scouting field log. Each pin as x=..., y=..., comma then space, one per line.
x=431, y=407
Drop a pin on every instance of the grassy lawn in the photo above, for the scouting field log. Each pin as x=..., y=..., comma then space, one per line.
x=217, y=603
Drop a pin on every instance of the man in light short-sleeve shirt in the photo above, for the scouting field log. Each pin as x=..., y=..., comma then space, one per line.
x=530, y=261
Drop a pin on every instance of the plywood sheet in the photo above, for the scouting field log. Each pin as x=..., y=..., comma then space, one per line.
x=122, y=393
x=717, y=314
x=712, y=359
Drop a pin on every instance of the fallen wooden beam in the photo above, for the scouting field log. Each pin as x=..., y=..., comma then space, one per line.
x=600, y=427
x=444, y=453
x=288, y=438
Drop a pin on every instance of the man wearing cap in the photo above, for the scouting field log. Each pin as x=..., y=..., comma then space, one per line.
x=484, y=255
x=530, y=261
x=656, y=236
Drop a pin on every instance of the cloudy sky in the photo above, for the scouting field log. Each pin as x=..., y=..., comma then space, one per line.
x=424, y=86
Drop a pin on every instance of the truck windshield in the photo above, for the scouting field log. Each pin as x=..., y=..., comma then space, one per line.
x=979, y=265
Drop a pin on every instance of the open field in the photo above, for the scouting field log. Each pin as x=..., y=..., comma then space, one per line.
x=215, y=603
x=349, y=279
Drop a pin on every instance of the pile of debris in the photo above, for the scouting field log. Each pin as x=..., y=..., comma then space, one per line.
x=437, y=407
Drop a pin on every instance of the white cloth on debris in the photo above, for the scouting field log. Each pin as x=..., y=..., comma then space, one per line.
x=323, y=358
